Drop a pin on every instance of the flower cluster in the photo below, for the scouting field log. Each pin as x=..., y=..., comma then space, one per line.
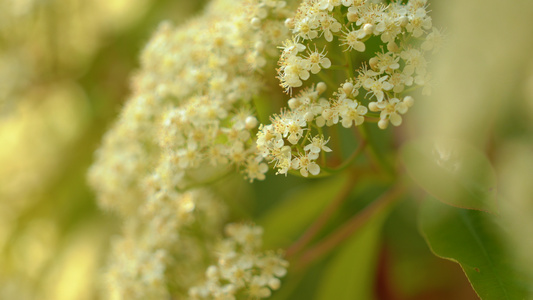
x=291, y=125
x=191, y=108
x=341, y=29
x=144, y=256
x=189, y=121
x=242, y=268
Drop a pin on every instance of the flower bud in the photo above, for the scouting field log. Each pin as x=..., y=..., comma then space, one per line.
x=321, y=87
x=392, y=47
x=347, y=87
x=373, y=106
x=211, y=272
x=409, y=101
x=320, y=121
x=327, y=113
x=274, y=283
x=289, y=23
x=403, y=21
x=309, y=116
x=250, y=122
x=256, y=22
x=294, y=103
x=373, y=62
x=383, y=123
x=352, y=17
x=368, y=29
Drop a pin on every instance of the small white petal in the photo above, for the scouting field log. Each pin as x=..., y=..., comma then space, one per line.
x=325, y=62
x=395, y=119
x=314, y=168
x=347, y=123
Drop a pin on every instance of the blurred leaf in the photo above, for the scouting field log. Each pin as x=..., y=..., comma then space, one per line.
x=453, y=172
x=351, y=272
x=471, y=238
x=294, y=213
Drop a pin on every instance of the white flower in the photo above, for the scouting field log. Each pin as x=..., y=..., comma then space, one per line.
x=317, y=144
x=377, y=86
x=389, y=28
x=329, y=4
x=391, y=110
x=242, y=267
x=330, y=115
x=268, y=138
x=188, y=157
x=351, y=38
x=387, y=62
x=329, y=24
x=306, y=28
x=352, y=112
x=306, y=165
x=418, y=22
x=282, y=159
x=293, y=68
x=316, y=60
x=294, y=130
x=255, y=169
x=257, y=288
x=292, y=47
x=433, y=40
x=414, y=62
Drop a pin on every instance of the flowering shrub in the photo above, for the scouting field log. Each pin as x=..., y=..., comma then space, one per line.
x=200, y=112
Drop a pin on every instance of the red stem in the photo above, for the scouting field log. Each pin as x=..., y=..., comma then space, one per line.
x=348, y=229
x=321, y=221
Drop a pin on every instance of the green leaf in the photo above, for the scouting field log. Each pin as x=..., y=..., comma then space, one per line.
x=351, y=272
x=292, y=215
x=453, y=172
x=472, y=239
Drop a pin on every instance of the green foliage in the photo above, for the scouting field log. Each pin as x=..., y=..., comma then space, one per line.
x=351, y=272
x=472, y=239
x=293, y=214
x=453, y=172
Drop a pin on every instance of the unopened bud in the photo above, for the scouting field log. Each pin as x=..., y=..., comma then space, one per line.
x=403, y=21
x=373, y=62
x=327, y=114
x=320, y=121
x=274, y=283
x=347, y=87
x=368, y=29
x=309, y=116
x=211, y=272
x=409, y=101
x=289, y=23
x=392, y=47
x=250, y=122
x=373, y=106
x=256, y=22
x=352, y=17
x=383, y=123
x=321, y=87
x=294, y=103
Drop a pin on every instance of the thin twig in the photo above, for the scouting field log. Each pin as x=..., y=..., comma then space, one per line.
x=321, y=221
x=349, y=228
x=349, y=160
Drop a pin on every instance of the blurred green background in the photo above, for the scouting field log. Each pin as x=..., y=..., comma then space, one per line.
x=64, y=74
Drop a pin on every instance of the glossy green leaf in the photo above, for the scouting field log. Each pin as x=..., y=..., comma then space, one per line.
x=453, y=172
x=293, y=214
x=351, y=272
x=472, y=239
